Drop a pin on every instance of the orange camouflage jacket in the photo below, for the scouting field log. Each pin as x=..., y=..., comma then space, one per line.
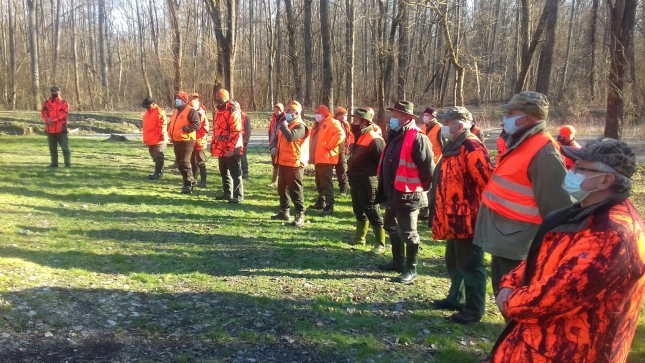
x=463, y=172
x=56, y=110
x=227, y=130
x=201, y=137
x=583, y=293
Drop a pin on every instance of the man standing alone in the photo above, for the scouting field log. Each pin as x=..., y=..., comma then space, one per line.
x=54, y=113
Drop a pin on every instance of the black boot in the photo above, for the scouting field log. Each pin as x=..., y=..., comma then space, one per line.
x=320, y=204
x=328, y=210
x=397, y=256
x=202, y=177
x=410, y=273
x=282, y=216
x=158, y=171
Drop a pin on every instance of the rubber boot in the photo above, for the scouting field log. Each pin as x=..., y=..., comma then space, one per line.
x=410, y=273
x=202, y=177
x=360, y=233
x=158, y=171
x=398, y=255
x=379, y=240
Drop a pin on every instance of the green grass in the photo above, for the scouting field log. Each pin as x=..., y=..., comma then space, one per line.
x=188, y=279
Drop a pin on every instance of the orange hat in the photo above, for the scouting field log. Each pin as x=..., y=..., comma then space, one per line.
x=182, y=95
x=194, y=95
x=280, y=106
x=568, y=132
x=295, y=105
x=323, y=110
x=222, y=93
x=341, y=111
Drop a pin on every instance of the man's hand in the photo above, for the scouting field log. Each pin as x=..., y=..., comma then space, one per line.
x=185, y=129
x=501, y=298
x=274, y=151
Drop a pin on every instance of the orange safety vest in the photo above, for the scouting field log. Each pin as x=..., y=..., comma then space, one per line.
x=407, y=175
x=367, y=138
x=433, y=135
x=177, y=121
x=293, y=154
x=510, y=191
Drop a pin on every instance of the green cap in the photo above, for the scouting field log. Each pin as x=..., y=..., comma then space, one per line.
x=457, y=113
x=533, y=103
x=363, y=113
x=403, y=106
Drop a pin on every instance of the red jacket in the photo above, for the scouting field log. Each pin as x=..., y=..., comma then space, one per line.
x=56, y=110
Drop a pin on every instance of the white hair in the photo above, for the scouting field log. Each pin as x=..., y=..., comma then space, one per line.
x=622, y=182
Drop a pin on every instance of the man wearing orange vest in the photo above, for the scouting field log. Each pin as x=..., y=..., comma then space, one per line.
x=228, y=147
x=278, y=113
x=460, y=178
x=182, y=129
x=198, y=159
x=432, y=129
x=54, y=114
x=362, y=167
x=324, y=147
x=525, y=187
x=567, y=137
x=341, y=166
x=155, y=134
x=501, y=147
x=404, y=177
x=290, y=149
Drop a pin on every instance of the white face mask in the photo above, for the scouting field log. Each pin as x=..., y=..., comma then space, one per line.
x=509, y=124
x=345, y=118
x=573, y=185
x=445, y=132
x=427, y=119
x=319, y=117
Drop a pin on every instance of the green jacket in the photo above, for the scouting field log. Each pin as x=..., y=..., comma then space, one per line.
x=507, y=238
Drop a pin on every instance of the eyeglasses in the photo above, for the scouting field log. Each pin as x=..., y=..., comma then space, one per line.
x=576, y=169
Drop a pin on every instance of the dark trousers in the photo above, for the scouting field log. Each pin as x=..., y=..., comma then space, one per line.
x=245, y=164
x=197, y=161
x=402, y=225
x=230, y=168
x=501, y=266
x=324, y=183
x=183, y=153
x=59, y=139
x=157, y=152
x=465, y=265
x=290, y=188
x=364, y=206
x=341, y=171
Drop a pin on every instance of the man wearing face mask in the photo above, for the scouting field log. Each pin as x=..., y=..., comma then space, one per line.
x=525, y=187
x=432, y=129
x=341, y=166
x=290, y=150
x=54, y=113
x=567, y=137
x=155, y=134
x=460, y=178
x=227, y=146
x=579, y=293
x=184, y=123
x=198, y=159
x=278, y=113
x=324, y=148
x=362, y=167
x=404, y=175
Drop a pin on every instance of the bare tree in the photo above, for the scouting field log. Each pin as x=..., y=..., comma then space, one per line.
x=293, y=54
x=142, y=54
x=33, y=49
x=404, y=34
x=545, y=64
x=309, y=50
x=102, y=54
x=349, y=56
x=56, y=40
x=528, y=49
x=327, y=97
x=12, y=53
x=173, y=7
x=251, y=104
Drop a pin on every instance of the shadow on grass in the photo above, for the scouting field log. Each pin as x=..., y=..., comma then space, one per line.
x=110, y=325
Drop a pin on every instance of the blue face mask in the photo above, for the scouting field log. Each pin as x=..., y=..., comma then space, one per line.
x=178, y=103
x=289, y=117
x=394, y=124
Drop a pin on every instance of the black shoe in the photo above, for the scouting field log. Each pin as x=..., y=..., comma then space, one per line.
x=443, y=304
x=282, y=216
x=223, y=197
x=407, y=277
x=52, y=166
x=299, y=220
x=318, y=206
x=154, y=176
x=236, y=200
x=463, y=318
x=245, y=177
x=391, y=266
x=187, y=189
x=328, y=210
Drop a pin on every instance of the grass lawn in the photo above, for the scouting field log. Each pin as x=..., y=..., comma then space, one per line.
x=99, y=264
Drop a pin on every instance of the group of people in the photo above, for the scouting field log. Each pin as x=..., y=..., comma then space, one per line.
x=567, y=244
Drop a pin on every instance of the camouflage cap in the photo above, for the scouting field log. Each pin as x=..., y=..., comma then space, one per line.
x=457, y=113
x=608, y=151
x=363, y=113
x=533, y=103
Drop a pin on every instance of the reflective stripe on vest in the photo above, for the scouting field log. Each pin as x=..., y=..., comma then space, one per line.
x=407, y=175
x=510, y=191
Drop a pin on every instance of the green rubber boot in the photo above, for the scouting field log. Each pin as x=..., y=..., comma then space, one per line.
x=379, y=240
x=361, y=232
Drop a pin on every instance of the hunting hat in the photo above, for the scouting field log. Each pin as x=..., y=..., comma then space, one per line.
x=182, y=95
x=295, y=105
x=431, y=111
x=608, y=151
x=54, y=89
x=323, y=110
x=363, y=113
x=194, y=95
x=223, y=94
x=279, y=106
x=406, y=107
x=147, y=102
x=533, y=103
x=341, y=111
x=457, y=113
x=568, y=132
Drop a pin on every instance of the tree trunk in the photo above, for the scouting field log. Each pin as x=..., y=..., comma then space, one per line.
x=252, y=106
x=491, y=52
x=404, y=33
x=12, y=53
x=56, y=41
x=592, y=43
x=528, y=50
x=309, y=48
x=293, y=52
x=349, y=41
x=563, y=77
x=33, y=49
x=545, y=65
x=278, y=52
x=173, y=9
x=327, y=97
x=102, y=54
x=142, y=54
x=622, y=14
x=453, y=56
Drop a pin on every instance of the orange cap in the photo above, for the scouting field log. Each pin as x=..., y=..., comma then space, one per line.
x=280, y=106
x=182, y=95
x=295, y=105
x=323, y=110
x=194, y=95
x=341, y=111
x=223, y=94
x=568, y=132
